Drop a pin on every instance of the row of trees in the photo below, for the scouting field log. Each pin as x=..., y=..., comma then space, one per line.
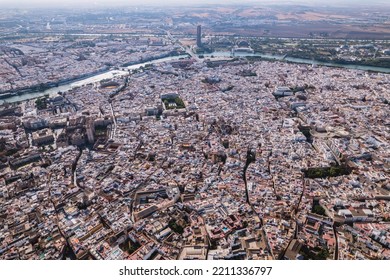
x=324, y=172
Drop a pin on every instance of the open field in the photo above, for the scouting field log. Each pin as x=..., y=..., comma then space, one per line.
x=291, y=21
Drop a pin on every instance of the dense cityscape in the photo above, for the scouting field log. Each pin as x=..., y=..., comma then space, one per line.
x=181, y=136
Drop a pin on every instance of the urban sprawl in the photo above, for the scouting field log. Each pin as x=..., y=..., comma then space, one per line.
x=193, y=157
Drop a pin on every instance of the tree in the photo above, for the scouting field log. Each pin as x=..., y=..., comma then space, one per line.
x=333, y=171
x=175, y=227
x=40, y=103
x=319, y=210
x=323, y=254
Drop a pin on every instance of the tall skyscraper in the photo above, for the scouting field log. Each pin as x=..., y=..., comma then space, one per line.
x=199, y=36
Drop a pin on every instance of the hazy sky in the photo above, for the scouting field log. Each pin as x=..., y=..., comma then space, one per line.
x=100, y=3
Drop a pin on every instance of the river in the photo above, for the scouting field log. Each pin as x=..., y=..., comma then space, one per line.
x=298, y=60
x=120, y=73
x=93, y=79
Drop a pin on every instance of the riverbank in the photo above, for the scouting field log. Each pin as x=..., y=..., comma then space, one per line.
x=109, y=74
x=270, y=57
x=48, y=85
x=55, y=87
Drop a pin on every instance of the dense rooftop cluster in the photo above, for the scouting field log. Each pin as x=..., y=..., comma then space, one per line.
x=290, y=163
x=45, y=62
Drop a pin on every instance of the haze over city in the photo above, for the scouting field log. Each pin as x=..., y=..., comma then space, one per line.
x=114, y=3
